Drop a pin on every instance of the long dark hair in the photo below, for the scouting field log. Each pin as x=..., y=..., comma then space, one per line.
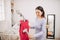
x=41, y=9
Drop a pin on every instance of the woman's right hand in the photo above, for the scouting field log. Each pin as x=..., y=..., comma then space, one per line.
x=30, y=36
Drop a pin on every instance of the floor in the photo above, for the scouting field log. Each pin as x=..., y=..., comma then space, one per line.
x=50, y=39
x=54, y=39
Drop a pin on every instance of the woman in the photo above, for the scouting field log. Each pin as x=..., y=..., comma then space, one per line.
x=39, y=24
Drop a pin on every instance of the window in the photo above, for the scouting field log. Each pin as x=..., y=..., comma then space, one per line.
x=2, y=16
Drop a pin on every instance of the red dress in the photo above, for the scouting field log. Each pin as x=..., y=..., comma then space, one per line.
x=23, y=25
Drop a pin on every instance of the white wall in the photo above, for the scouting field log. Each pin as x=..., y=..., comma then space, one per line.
x=27, y=8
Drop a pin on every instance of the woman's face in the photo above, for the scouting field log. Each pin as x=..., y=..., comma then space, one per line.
x=38, y=13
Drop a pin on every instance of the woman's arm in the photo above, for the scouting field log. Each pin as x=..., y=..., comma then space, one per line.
x=42, y=31
x=32, y=26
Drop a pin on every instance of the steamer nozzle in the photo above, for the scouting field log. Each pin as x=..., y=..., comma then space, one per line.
x=21, y=15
